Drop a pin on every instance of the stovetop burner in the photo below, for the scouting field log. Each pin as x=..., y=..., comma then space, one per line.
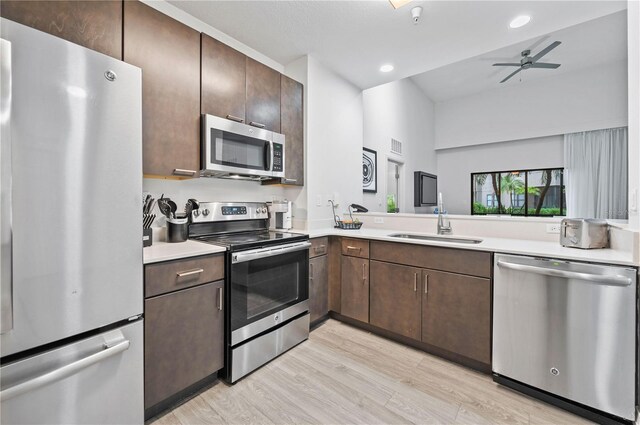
x=251, y=239
x=237, y=226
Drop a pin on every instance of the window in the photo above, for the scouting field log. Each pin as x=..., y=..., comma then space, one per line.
x=519, y=192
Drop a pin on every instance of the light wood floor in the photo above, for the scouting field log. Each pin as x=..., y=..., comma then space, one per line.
x=343, y=375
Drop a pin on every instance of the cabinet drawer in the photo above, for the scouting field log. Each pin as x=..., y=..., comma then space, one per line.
x=319, y=246
x=355, y=247
x=474, y=263
x=170, y=276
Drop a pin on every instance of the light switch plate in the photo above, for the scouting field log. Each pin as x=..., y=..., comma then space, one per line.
x=378, y=220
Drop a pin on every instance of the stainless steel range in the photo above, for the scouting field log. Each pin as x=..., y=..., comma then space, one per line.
x=267, y=290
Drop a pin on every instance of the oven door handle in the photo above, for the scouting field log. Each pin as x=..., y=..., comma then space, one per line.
x=241, y=257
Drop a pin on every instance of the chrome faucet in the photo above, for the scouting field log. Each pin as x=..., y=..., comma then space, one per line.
x=444, y=225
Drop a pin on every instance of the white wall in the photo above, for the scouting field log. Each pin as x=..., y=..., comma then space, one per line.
x=456, y=165
x=591, y=99
x=399, y=110
x=334, y=143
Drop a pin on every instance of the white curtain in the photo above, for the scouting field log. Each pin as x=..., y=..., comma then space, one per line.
x=596, y=171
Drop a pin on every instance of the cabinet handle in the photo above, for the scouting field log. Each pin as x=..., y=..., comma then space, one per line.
x=189, y=272
x=311, y=271
x=356, y=248
x=426, y=283
x=287, y=180
x=220, y=298
x=364, y=276
x=415, y=282
x=234, y=118
x=257, y=124
x=183, y=172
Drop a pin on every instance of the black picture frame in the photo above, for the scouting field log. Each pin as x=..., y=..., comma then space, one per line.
x=369, y=170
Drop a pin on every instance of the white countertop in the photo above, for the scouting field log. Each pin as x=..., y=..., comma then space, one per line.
x=164, y=251
x=501, y=245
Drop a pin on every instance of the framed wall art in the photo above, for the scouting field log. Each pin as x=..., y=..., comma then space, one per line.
x=369, y=170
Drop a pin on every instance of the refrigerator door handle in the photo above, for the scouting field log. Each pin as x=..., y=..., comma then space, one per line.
x=64, y=371
x=6, y=244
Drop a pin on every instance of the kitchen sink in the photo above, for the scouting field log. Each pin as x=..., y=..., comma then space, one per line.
x=435, y=238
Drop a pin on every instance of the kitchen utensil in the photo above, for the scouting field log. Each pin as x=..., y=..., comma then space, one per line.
x=145, y=204
x=192, y=204
x=173, y=207
x=164, y=207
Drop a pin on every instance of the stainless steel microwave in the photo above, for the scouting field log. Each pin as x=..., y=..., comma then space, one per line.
x=235, y=150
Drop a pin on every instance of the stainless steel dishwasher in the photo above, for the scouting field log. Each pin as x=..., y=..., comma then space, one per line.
x=566, y=332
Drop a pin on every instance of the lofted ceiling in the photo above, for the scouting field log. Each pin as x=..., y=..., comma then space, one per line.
x=593, y=43
x=354, y=38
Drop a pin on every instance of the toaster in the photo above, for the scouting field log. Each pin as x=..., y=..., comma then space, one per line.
x=584, y=233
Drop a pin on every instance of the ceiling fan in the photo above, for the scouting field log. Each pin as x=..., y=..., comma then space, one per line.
x=528, y=61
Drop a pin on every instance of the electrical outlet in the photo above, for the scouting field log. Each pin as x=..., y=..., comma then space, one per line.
x=378, y=220
x=319, y=201
x=553, y=228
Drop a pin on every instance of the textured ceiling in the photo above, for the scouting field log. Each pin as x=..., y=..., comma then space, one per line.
x=590, y=44
x=354, y=38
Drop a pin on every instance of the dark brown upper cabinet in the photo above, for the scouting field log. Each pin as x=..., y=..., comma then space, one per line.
x=169, y=54
x=96, y=25
x=263, y=96
x=223, y=80
x=292, y=126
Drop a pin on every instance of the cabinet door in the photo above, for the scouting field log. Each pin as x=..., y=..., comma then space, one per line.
x=169, y=54
x=96, y=25
x=396, y=298
x=354, y=297
x=456, y=314
x=292, y=126
x=183, y=340
x=318, y=288
x=263, y=96
x=223, y=80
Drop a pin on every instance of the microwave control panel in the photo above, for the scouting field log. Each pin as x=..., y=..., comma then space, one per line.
x=278, y=156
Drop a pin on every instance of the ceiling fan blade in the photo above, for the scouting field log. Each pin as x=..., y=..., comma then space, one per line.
x=544, y=65
x=507, y=64
x=546, y=50
x=511, y=75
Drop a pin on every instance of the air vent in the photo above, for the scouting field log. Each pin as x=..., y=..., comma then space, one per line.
x=396, y=146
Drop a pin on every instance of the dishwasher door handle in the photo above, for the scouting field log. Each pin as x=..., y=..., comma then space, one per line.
x=611, y=280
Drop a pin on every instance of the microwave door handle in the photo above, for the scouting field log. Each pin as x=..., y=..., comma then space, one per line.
x=268, y=155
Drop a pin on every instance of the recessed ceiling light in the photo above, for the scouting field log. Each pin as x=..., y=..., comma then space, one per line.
x=520, y=21
x=398, y=3
x=386, y=68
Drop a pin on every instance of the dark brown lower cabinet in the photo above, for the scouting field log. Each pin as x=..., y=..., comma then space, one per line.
x=184, y=340
x=354, y=294
x=456, y=314
x=396, y=298
x=318, y=288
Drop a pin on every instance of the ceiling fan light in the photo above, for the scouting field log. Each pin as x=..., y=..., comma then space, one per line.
x=520, y=21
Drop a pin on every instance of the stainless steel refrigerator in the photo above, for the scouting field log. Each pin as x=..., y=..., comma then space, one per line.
x=71, y=253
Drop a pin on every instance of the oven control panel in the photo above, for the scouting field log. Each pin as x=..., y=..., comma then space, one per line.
x=226, y=211
x=235, y=210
